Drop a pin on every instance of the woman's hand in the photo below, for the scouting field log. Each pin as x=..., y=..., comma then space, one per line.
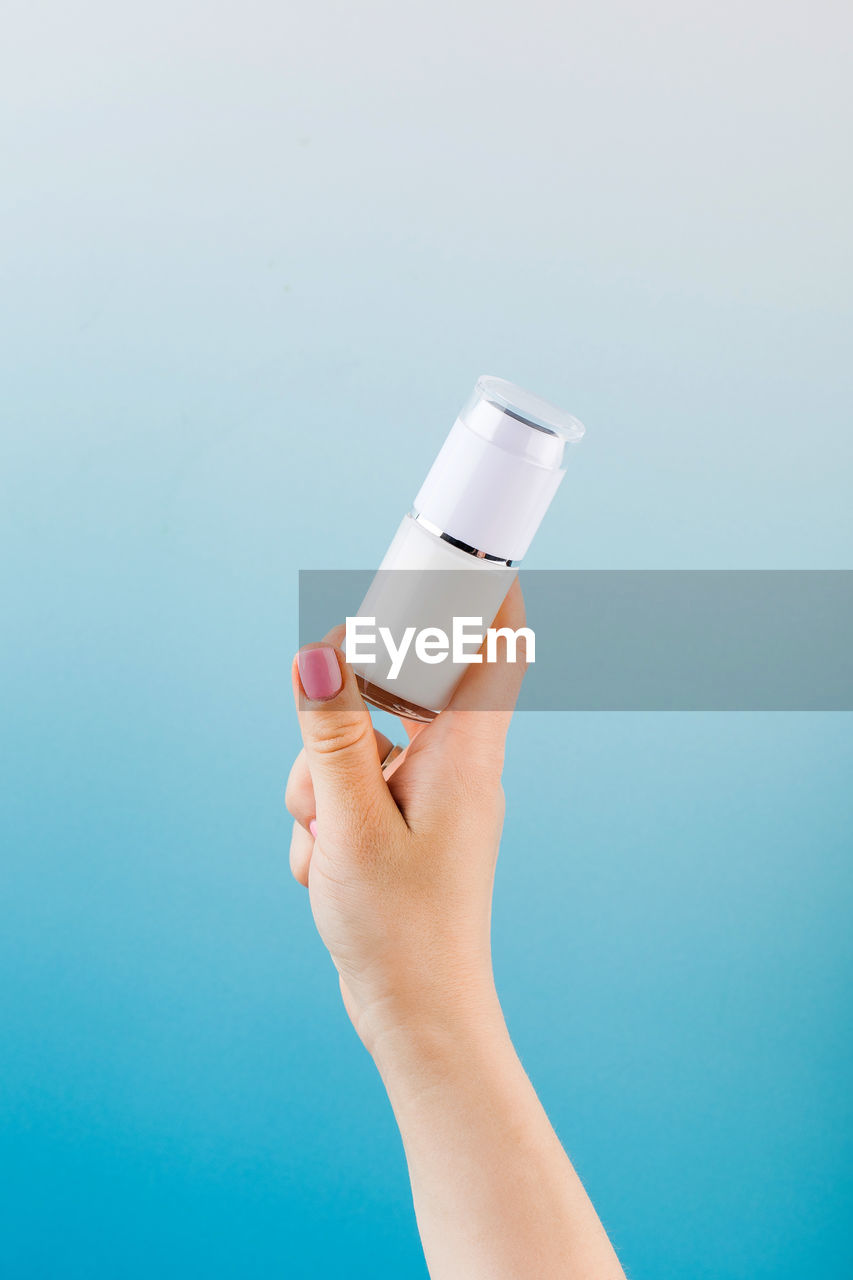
x=400, y=876
x=400, y=871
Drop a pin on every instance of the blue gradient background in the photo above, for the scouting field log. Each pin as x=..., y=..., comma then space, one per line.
x=252, y=258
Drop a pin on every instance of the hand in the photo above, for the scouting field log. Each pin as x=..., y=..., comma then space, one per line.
x=400, y=876
x=400, y=872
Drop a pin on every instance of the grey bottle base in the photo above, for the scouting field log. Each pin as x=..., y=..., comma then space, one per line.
x=386, y=701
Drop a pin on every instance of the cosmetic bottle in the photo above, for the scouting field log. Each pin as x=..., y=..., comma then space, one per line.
x=456, y=553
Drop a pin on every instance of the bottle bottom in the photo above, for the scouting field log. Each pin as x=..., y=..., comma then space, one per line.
x=386, y=701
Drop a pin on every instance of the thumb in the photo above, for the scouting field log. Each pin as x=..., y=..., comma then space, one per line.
x=340, y=744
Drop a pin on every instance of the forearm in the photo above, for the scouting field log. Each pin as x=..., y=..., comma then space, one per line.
x=495, y=1195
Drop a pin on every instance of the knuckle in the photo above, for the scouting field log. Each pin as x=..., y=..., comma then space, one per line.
x=299, y=856
x=339, y=734
x=298, y=792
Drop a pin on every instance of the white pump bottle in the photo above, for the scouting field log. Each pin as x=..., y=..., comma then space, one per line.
x=472, y=521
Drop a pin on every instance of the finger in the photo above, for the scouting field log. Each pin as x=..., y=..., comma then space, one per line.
x=412, y=727
x=299, y=792
x=340, y=744
x=494, y=686
x=301, y=849
x=478, y=715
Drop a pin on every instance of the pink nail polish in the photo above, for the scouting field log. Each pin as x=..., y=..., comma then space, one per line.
x=312, y=827
x=319, y=673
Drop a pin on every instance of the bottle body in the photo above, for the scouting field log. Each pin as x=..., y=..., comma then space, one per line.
x=426, y=582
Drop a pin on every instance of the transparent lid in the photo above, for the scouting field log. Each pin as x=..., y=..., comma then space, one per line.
x=520, y=422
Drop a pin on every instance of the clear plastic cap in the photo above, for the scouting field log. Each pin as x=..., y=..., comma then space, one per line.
x=504, y=413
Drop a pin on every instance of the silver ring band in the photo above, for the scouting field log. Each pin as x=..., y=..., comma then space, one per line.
x=457, y=542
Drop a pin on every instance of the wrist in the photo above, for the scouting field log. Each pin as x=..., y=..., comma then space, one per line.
x=420, y=1044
